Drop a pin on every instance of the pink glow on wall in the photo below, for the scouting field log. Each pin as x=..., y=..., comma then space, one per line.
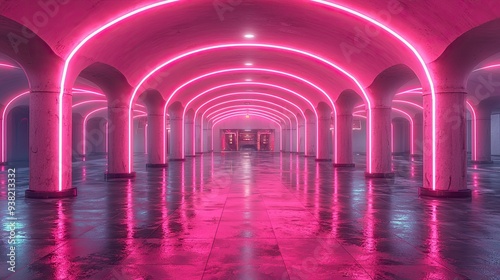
x=247, y=113
x=107, y=136
x=250, y=100
x=244, y=114
x=115, y=21
x=392, y=137
x=251, y=84
x=4, y=129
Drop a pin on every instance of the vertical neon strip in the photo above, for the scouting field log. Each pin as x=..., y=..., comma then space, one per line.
x=392, y=137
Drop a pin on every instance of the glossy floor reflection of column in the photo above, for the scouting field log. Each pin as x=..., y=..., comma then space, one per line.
x=253, y=215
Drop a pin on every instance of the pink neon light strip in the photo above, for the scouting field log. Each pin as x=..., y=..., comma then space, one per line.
x=252, y=84
x=256, y=115
x=246, y=99
x=66, y=69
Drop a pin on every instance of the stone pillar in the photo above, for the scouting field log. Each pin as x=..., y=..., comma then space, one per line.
x=418, y=135
x=118, y=163
x=450, y=173
x=198, y=136
x=176, y=124
x=286, y=139
x=381, y=160
x=325, y=115
x=310, y=134
x=77, y=136
x=344, y=156
x=156, y=133
x=400, y=136
x=46, y=179
x=189, y=134
x=483, y=137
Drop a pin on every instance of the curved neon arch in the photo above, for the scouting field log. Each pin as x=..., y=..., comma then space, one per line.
x=409, y=103
x=249, y=83
x=252, y=93
x=254, y=114
x=257, y=70
x=252, y=100
x=162, y=3
x=422, y=63
x=474, y=129
x=4, y=150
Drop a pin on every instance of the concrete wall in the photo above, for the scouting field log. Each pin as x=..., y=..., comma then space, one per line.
x=495, y=134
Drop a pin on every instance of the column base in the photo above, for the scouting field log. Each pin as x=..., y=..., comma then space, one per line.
x=156, y=165
x=199, y=153
x=309, y=156
x=465, y=193
x=399, y=154
x=62, y=194
x=108, y=176
x=481, y=162
x=176, y=159
x=416, y=155
x=379, y=175
x=340, y=165
x=190, y=155
x=323, y=159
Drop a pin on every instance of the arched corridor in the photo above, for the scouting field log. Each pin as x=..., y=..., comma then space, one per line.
x=250, y=139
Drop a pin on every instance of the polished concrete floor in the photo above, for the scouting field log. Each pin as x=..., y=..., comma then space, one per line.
x=255, y=216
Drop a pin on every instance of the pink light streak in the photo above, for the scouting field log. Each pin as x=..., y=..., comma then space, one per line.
x=412, y=149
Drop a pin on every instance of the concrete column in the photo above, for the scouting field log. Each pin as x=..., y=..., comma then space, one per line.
x=197, y=132
x=118, y=164
x=44, y=146
x=293, y=147
x=310, y=134
x=401, y=136
x=156, y=148
x=450, y=173
x=286, y=139
x=189, y=134
x=344, y=156
x=176, y=124
x=381, y=160
x=483, y=137
x=325, y=115
x=418, y=135
x=77, y=136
